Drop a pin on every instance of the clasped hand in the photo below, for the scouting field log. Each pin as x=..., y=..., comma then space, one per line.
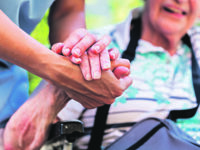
x=95, y=62
x=104, y=77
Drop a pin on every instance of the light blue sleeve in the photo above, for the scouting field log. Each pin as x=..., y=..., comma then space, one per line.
x=25, y=13
x=14, y=80
x=13, y=89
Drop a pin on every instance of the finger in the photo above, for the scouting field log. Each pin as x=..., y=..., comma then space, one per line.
x=105, y=60
x=83, y=45
x=126, y=82
x=74, y=38
x=113, y=53
x=75, y=60
x=94, y=65
x=85, y=67
x=120, y=62
x=57, y=48
x=121, y=72
x=66, y=51
x=101, y=44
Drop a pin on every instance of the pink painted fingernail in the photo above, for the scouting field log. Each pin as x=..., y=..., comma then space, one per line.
x=88, y=77
x=112, y=55
x=75, y=60
x=76, y=52
x=96, y=75
x=106, y=66
x=96, y=49
x=57, y=47
x=66, y=51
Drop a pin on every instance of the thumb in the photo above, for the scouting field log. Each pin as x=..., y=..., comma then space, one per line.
x=120, y=62
x=121, y=72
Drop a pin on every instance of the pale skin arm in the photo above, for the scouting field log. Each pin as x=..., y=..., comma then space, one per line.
x=65, y=16
x=24, y=51
x=31, y=122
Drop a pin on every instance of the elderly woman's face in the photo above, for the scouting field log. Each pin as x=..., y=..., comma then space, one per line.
x=171, y=16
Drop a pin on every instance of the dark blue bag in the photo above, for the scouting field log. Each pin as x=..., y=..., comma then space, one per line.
x=155, y=134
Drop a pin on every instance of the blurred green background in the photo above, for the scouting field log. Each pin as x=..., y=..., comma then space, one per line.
x=98, y=13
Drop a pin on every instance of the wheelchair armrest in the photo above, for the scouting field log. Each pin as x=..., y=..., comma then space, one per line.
x=68, y=130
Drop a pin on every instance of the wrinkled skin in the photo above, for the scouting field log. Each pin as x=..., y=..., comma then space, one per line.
x=168, y=21
x=31, y=122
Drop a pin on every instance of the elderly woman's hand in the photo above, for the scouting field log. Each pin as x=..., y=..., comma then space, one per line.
x=82, y=48
x=92, y=54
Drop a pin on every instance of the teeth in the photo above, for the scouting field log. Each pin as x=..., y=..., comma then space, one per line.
x=175, y=10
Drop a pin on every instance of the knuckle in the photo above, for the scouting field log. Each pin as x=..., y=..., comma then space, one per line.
x=127, y=62
x=116, y=50
x=86, y=42
x=91, y=54
x=82, y=46
x=71, y=41
x=56, y=46
x=106, y=40
x=118, y=92
x=77, y=35
x=81, y=32
x=91, y=37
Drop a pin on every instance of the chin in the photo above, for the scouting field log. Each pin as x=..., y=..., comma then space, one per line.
x=171, y=29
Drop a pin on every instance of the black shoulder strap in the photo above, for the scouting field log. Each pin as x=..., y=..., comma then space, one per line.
x=98, y=128
x=135, y=35
x=102, y=112
x=187, y=113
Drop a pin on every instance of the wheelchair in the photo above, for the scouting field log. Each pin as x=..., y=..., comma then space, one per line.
x=63, y=134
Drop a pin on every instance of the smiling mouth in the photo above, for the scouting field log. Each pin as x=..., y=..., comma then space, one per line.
x=175, y=11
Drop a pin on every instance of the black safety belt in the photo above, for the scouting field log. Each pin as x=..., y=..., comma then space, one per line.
x=187, y=113
x=100, y=118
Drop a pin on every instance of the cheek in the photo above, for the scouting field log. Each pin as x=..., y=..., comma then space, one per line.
x=198, y=10
x=195, y=7
x=153, y=13
x=194, y=12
